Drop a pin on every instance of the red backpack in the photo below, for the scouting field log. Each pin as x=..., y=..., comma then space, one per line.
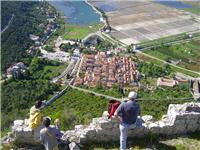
x=112, y=107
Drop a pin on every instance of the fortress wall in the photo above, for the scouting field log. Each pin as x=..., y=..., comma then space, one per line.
x=180, y=119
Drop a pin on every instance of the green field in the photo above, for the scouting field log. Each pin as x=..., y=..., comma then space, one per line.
x=52, y=71
x=159, y=63
x=78, y=32
x=187, y=53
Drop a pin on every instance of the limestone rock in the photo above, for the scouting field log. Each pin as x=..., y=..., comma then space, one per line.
x=79, y=127
x=73, y=146
x=105, y=114
x=147, y=118
x=82, y=139
x=26, y=122
x=105, y=124
x=154, y=128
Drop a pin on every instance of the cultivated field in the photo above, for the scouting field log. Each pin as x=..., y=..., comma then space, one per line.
x=187, y=55
x=135, y=22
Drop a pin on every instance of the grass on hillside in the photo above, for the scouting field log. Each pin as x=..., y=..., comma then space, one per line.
x=154, y=102
x=54, y=71
x=190, y=141
x=76, y=107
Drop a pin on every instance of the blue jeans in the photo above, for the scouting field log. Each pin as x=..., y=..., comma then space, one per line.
x=124, y=133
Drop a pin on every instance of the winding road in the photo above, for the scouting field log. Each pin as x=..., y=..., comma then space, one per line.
x=9, y=22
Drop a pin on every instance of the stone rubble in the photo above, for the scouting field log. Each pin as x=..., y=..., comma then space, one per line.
x=180, y=119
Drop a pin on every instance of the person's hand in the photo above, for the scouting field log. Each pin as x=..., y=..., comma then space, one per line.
x=113, y=116
x=120, y=119
x=44, y=101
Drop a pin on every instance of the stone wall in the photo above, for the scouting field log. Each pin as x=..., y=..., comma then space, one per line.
x=180, y=119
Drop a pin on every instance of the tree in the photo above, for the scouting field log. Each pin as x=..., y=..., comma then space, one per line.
x=66, y=47
x=49, y=48
x=35, y=65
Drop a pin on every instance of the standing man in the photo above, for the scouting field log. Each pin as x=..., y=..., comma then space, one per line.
x=48, y=135
x=127, y=113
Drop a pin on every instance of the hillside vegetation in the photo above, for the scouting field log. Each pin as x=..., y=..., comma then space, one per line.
x=76, y=107
x=190, y=141
x=27, y=18
x=18, y=95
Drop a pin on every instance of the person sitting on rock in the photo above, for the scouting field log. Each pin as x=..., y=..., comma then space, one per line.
x=48, y=135
x=57, y=126
x=127, y=113
x=62, y=144
x=35, y=119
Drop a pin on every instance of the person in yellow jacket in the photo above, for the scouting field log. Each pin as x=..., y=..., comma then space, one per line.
x=35, y=119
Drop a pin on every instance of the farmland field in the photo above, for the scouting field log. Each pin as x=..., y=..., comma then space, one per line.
x=188, y=54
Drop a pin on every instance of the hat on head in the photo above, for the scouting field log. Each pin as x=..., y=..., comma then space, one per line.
x=132, y=95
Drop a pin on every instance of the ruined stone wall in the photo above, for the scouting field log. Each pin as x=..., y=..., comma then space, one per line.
x=180, y=119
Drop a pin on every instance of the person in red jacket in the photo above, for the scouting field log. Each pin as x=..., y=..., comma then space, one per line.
x=113, y=105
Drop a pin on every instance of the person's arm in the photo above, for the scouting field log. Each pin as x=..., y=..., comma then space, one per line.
x=41, y=137
x=118, y=112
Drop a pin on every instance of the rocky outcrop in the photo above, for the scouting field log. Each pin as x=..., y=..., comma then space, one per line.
x=180, y=119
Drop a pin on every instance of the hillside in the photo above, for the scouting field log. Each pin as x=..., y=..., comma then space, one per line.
x=18, y=95
x=75, y=107
x=28, y=18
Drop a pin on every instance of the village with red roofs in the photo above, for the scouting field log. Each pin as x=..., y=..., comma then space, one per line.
x=104, y=70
